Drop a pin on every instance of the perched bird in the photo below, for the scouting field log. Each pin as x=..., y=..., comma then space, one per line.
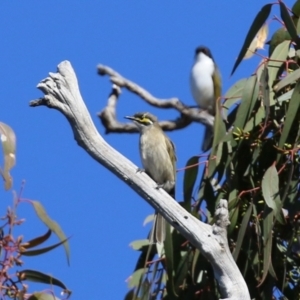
x=206, y=86
x=159, y=161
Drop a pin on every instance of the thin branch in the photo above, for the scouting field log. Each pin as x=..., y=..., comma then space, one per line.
x=187, y=114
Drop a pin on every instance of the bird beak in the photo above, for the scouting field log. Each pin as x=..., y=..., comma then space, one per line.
x=129, y=118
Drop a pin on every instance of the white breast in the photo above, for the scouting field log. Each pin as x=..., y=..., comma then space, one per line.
x=201, y=82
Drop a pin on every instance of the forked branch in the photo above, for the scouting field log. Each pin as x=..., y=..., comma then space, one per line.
x=187, y=115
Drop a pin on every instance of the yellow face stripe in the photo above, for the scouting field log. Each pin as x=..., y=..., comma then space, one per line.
x=145, y=120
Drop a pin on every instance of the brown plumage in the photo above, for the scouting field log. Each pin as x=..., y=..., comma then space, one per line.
x=159, y=161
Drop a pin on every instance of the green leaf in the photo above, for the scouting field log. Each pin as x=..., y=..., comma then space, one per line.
x=131, y=296
x=233, y=215
x=249, y=98
x=169, y=258
x=139, y=244
x=36, y=276
x=8, y=140
x=241, y=234
x=41, y=250
x=42, y=296
x=135, y=278
x=219, y=134
x=296, y=8
x=265, y=90
x=194, y=263
x=258, y=22
x=270, y=187
x=255, y=120
x=51, y=224
x=267, y=261
x=234, y=93
x=278, y=37
x=145, y=289
x=289, y=24
x=290, y=117
x=148, y=219
x=183, y=268
x=37, y=241
x=277, y=59
x=285, y=97
x=288, y=80
x=255, y=156
x=298, y=27
x=219, y=130
x=190, y=176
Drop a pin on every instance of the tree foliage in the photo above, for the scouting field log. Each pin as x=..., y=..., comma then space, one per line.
x=254, y=163
x=13, y=249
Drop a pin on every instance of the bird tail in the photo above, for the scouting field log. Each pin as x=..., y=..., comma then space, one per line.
x=158, y=232
x=208, y=139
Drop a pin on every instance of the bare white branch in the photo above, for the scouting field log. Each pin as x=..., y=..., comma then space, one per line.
x=62, y=93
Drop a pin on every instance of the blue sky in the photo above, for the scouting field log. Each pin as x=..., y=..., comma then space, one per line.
x=151, y=43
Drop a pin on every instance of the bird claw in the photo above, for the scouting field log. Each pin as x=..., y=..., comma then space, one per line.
x=160, y=186
x=140, y=170
x=167, y=186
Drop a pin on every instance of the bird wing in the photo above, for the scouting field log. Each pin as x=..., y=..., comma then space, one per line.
x=217, y=87
x=171, y=151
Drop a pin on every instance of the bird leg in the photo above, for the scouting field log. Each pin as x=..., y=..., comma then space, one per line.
x=140, y=170
x=167, y=186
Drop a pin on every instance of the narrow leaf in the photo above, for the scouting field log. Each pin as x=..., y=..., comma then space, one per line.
x=256, y=119
x=233, y=215
x=41, y=250
x=289, y=79
x=267, y=253
x=139, y=245
x=234, y=93
x=135, y=278
x=296, y=8
x=51, y=224
x=37, y=241
x=285, y=97
x=258, y=42
x=290, y=117
x=278, y=37
x=194, y=263
x=42, y=296
x=36, y=276
x=265, y=90
x=249, y=98
x=183, y=268
x=241, y=234
x=148, y=219
x=258, y=22
x=169, y=257
x=219, y=135
x=270, y=187
x=289, y=24
x=190, y=176
x=277, y=59
x=8, y=140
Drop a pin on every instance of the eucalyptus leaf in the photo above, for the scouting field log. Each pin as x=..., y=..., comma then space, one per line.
x=51, y=224
x=258, y=22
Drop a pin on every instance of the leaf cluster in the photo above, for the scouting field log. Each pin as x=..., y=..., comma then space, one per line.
x=13, y=249
x=254, y=163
